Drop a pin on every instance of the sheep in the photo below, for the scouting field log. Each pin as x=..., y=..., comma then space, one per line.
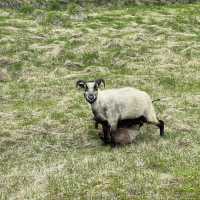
x=113, y=105
x=127, y=129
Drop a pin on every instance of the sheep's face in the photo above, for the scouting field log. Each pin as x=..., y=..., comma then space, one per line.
x=91, y=92
x=91, y=89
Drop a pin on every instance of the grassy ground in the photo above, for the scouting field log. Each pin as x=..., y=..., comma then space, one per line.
x=49, y=148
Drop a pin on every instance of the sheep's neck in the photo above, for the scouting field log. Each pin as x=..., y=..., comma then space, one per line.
x=97, y=109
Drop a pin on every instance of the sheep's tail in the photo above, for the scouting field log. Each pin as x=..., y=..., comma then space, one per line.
x=159, y=99
x=156, y=100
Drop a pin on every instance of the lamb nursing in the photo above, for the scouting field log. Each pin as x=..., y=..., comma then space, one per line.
x=126, y=132
x=112, y=106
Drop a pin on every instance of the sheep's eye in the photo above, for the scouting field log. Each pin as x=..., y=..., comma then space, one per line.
x=86, y=87
x=95, y=87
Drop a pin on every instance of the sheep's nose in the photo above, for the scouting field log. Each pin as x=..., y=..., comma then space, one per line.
x=91, y=96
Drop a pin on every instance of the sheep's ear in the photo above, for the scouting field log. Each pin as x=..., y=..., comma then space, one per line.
x=80, y=84
x=99, y=81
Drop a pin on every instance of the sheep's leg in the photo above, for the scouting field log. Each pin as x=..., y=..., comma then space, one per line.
x=112, y=135
x=112, y=122
x=96, y=122
x=96, y=125
x=152, y=119
x=113, y=129
x=106, y=132
x=160, y=124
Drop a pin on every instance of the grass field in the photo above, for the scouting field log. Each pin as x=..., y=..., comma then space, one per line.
x=49, y=148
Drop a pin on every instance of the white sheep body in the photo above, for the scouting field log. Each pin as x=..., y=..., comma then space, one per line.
x=113, y=105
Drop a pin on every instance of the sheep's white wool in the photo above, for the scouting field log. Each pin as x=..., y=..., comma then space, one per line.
x=124, y=103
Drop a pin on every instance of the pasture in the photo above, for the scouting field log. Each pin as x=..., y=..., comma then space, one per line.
x=49, y=148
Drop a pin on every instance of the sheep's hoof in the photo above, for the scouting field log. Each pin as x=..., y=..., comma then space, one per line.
x=113, y=144
x=106, y=141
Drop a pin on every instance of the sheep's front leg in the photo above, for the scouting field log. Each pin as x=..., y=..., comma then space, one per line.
x=113, y=129
x=112, y=117
x=106, y=132
x=96, y=122
x=96, y=125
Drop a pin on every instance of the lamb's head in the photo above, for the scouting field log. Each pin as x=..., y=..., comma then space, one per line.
x=91, y=89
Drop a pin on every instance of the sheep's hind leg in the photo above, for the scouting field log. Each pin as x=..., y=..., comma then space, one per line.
x=152, y=119
x=160, y=124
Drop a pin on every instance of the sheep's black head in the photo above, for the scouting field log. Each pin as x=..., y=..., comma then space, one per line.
x=91, y=89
